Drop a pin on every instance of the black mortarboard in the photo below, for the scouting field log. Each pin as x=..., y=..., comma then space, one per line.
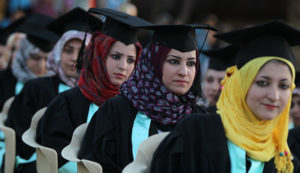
x=222, y=58
x=179, y=37
x=119, y=25
x=7, y=31
x=37, y=33
x=270, y=39
x=77, y=19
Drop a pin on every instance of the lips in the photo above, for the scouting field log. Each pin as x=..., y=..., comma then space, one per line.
x=271, y=107
x=181, y=82
x=119, y=75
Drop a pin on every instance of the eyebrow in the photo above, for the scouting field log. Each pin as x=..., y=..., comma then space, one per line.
x=268, y=78
x=117, y=52
x=177, y=57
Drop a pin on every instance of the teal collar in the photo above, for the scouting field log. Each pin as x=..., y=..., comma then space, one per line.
x=140, y=131
x=238, y=160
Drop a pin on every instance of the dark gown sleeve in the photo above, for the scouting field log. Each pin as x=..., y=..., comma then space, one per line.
x=294, y=141
x=65, y=112
x=107, y=139
x=7, y=86
x=35, y=95
x=196, y=144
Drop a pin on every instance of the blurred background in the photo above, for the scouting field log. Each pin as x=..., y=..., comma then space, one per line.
x=226, y=15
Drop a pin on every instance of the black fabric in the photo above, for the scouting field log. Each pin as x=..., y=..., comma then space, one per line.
x=119, y=25
x=179, y=37
x=198, y=144
x=7, y=85
x=7, y=31
x=64, y=114
x=36, y=94
x=294, y=141
x=273, y=38
x=77, y=19
x=35, y=27
x=108, y=136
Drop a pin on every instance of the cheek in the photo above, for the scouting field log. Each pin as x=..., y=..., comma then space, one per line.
x=285, y=98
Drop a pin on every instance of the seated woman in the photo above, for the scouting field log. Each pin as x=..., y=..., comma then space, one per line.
x=109, y=60
x=38, y=93
x=220, y=60
x=162, y=89
x=249, y=131
x=30, y=60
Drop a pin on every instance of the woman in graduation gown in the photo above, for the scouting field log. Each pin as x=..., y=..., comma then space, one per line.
x=162, y=89
x=249, y=131
x=38, y=93
x=109, y=61
x=219, y=60
x=30, y=61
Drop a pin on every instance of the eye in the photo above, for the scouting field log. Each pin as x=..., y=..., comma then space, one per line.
x=284, y=86
x=292, y=105
x=68, y=50
x=191, y=63
x=209, y=80
x=130, y=60
x=262, y=83
x=115, y=56
x=173, y=61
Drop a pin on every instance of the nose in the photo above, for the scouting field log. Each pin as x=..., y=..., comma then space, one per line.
x=273, y=93
x=183, y=71
x=122, y=64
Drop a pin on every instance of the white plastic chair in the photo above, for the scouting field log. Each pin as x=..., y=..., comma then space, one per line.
x=46, y=158
x=142, y=163
x=10, y=138
x=70, y=152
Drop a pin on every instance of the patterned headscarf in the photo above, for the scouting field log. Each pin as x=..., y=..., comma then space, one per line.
x=148, y=94
x=262, y=139
x=94, y=81
x=19, y=67
x=53, y=62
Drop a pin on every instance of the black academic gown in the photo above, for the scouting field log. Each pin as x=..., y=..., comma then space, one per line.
x=198, y=144
x=294, y=141
x=36, y=94
x=108, y=136
x=7, y=85
x=64, y=114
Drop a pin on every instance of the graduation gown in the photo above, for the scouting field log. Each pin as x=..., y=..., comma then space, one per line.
x=294, y=141
x=108, y=136
x=36, y=94
x=64, y=114
x=7, y=85
x=198, y=144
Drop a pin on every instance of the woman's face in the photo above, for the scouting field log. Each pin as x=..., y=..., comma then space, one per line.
x=295, y=110
x=178, y=71
x=120, y=62
x=37, y=63
x=270, y=91
x=212, y=85
x=69, y=57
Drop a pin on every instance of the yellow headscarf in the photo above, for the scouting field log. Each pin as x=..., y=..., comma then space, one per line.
x=262, y=140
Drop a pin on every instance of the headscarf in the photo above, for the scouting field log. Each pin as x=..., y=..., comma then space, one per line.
x=264, y=139
x=54, y=58
x=19, y=67
x=94, y=81
x=149, y=95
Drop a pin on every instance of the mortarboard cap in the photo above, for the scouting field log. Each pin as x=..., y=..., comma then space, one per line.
x=7, y=31
x=119, y=25
x=274, y=38
x=77, y=19
x=179, y=37
x=222, y=58
x=37, y=33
